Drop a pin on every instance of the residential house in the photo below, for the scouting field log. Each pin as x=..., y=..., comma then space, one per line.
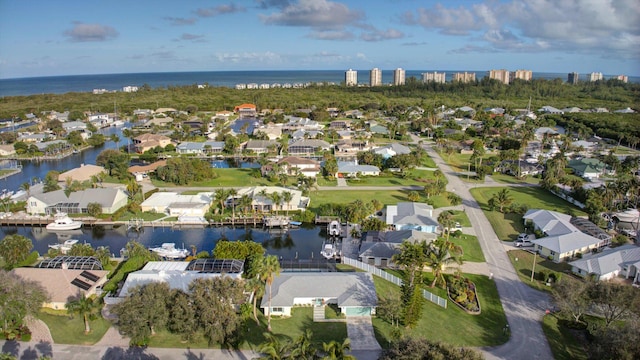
x=352, y=146
x=32, y=138
x=293, y=164
x=78, y=126
x=83, y=173
x=353, y=169
x=139, y=170
x=519, y=167
x=100, y=120
x=342, y=124
x=354, y=293
x=65, y=283
x=588, y=168
x=306, y=134
x=178, y=274
x=308, y=146
x=391, y=150
x=7, y=150
x=379, y=129
x=411, y=216
x=158, y=122
x=200, y=148
x=545, y=132
x=261, y=146
x=622, y=261
x=246, y=111
x=550, y=110
x=562, y=240
x=378, y=247
x=176, y=204
x=354, y=114
x=298, y=123
x=272, y=132
x=262, y=198
x=110, y=199
x=148, y=141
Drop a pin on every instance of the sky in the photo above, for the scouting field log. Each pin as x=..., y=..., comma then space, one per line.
x=74, y=37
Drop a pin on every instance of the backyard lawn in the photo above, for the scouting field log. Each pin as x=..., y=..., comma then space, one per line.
x=67, y=329
x=386, y=197
x=451, y=325
x=508, y=226
x=413, y=177
x=231, y=177
x=562, y=342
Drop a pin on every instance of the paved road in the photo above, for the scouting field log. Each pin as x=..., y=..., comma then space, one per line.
x=523, y=305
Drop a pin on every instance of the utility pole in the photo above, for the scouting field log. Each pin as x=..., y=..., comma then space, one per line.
x=533, y=270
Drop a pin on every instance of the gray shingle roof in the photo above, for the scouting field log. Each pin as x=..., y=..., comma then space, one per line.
x=609, y=261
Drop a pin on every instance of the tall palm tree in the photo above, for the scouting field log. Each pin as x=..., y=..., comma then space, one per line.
x=263, y=194
x=232, y=193
x=26, y=187
x=337, y=351
x=269, y=269
x=86, y=307
x=446, y=220
x=221, y=195
x=275, y=198
x=274, y=349
x=245, y=203
x=303, y=348
x=255, y=285
x=441, y=254
x=287, y=196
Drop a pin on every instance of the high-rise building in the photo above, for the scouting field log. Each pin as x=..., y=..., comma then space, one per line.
x=573, y=78
x=623, y=78
x=501, y=75
x=398, y=76
x=351, y=78
x=375, y=77
x=434, y=77
x=525, y=75
x=464, y=77
x=595, y=76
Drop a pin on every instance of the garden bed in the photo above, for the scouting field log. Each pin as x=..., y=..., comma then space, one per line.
x=462, y=292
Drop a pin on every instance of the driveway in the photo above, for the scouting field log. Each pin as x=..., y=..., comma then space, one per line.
x=523, y=305
x=363, y=340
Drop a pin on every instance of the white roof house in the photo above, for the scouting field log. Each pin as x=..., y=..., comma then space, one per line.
x=111, y=199
x=411, y=216
x=621, y=261
x=353, y=169
x=178, y=205
x=354, y=293
x=563, y=240
x=392, y=149
x=180, y=274
x=262, y=201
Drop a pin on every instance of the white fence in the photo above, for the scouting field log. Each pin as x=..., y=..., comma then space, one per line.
x=394, y=279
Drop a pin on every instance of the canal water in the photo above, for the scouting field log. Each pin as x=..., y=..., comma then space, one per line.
x=302, y=243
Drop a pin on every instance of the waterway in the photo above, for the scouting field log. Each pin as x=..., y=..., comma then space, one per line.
x=302, y=243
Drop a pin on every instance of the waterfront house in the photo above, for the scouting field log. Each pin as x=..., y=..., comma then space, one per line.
x=245, y=111
x=85, y=172
x=623, y=261
x=176, y=204
x=354, y=293
x=545, y=132
x=378, y=247
x=178, y=274
x=158, y=122
x=262, y=198
x=32, y=138
x=110, y=200
x=138, y=170
x=148, y=141
x=65, y=283
x=411, y=216
x=352, y=146
x=7, y=150
x=293, y=164
x=200, y=148
x=308, y=146
x=78, y=126
x=272, y=132
x=261, y=146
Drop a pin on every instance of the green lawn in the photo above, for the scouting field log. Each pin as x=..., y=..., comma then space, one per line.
x=524, y=266
x=326, y=181
x=508, y=179
x=287, y=329
x=461, y=217
x=564, y=345
x=70, y=330
x=384, y=196
x=413, y=177
x=470, y=247
x=227, y=178
x=508, y=226
x=452, y=325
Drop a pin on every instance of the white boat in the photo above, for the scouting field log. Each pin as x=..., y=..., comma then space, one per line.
x=65, y=246
x=64, y=222
x=334, y=228
x=18, y=195
x=169, y=251
x=328, y=251
x=628, y=216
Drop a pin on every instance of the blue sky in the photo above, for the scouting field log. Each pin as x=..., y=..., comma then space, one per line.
x=44, y=37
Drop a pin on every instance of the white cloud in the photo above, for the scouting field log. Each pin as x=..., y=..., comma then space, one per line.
x=583, y=26
x=90, y=32
x=320, y=14
x=331, y=35
x=219, y=10
x=179, y=21
x=379, y=35
x=249, y=57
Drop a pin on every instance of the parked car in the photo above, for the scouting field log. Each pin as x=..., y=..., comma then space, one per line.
x=523, y=241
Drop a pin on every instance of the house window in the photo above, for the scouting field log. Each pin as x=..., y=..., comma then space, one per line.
x=277, y=309
x=552, y=253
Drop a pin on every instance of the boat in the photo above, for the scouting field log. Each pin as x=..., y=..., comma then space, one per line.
x=169, y=251
x=64, y=222
x=65, y=246
x=295, y=223
x=334, y=228
x=328, y=251
x=628, y=216
x=18, y=195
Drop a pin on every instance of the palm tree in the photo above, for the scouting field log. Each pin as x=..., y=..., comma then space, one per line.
x=274, y=349
x=221, y=195
x=275, y=198
x=255, y=285
x=232, y=193
x=503, y=198
x=337, y=351
x=287, y=196
x=27, y=188
x=441, y=254
x=446, y=220
x=269, y=269
x=245, y=203
x=263, y=194
x=86, y=307
x=412, y=256
x=303, y=348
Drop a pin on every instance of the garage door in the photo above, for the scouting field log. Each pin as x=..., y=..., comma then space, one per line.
x=358, y=311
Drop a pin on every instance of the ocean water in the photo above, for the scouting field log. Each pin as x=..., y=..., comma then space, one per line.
x=86, y=83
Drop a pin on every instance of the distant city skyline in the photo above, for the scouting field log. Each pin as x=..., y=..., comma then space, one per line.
x=48, y=38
